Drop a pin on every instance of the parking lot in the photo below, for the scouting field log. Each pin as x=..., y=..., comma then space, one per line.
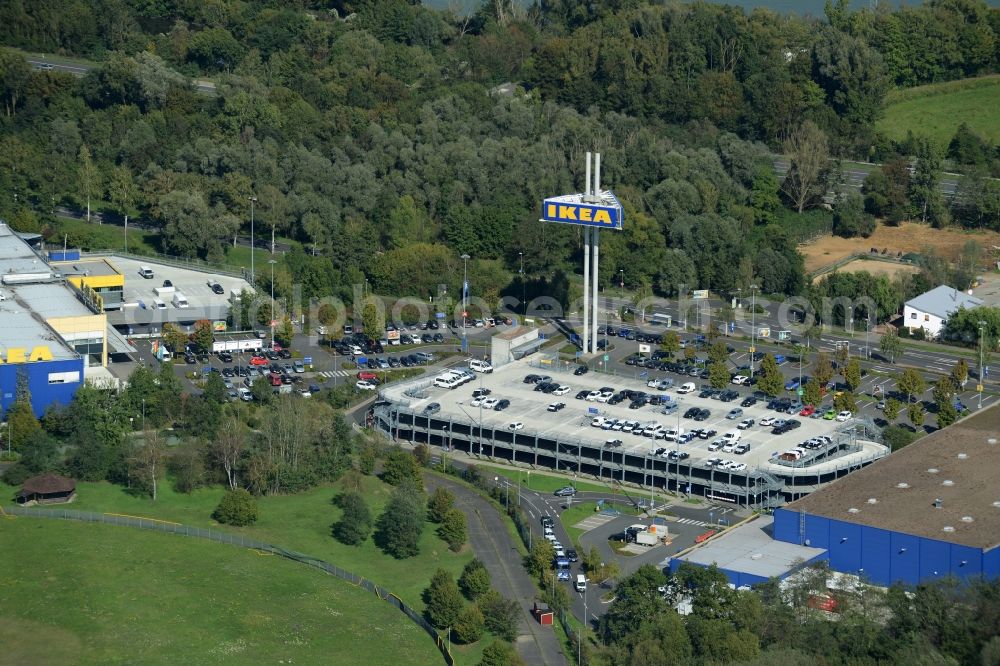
x=192, y=283
x=529, y=414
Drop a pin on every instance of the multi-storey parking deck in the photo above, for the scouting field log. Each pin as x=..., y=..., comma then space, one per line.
x=527, y=432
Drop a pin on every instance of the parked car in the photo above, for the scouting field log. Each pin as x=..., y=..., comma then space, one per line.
x=580, y=370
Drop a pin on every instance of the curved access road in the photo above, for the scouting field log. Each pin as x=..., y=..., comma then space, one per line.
x=495, y=546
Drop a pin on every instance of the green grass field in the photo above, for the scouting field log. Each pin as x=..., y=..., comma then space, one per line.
x=75, y=593
x=937, y=110
x=300, y=522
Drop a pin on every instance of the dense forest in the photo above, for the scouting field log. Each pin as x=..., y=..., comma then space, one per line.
x=376, y=134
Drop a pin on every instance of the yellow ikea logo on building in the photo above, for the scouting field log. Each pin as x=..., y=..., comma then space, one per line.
x=19, y=355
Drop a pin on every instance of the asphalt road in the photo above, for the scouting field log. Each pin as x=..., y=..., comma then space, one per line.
x=493, y=544
x=57, y=64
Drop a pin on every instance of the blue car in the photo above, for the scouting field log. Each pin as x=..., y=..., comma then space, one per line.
x=779, y=359
x=792, y=384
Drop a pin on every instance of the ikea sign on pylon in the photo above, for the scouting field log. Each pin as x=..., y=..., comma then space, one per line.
x=571, y=209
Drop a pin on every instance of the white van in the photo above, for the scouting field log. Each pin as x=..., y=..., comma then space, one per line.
x=581, y=583
x=159, y=305
x=180, y=300
x=732, y=436
x=146, y=272
x=480, y=366
x=686, y=387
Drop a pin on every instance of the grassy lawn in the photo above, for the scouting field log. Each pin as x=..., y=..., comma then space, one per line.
x=543, y=482
x=299, y=522
x=574, y=514
x=89, y=236
x=937, y=110
x=98, y=594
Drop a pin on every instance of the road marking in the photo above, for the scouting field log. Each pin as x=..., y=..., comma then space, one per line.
x=691, y=521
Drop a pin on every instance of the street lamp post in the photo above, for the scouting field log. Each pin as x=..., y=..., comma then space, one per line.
x=982, y=328
x=272, y=262
x=253, y=280
x=753, y=326
x=524, y=306
x=465, y=307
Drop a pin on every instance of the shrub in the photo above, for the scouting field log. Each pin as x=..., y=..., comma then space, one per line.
x=237, y=507
x=475, y=580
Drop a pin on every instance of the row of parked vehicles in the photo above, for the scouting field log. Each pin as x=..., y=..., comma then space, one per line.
x=800, y=451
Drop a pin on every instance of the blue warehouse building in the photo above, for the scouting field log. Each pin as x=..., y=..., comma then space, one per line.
x=928, y=511
x=49, y=335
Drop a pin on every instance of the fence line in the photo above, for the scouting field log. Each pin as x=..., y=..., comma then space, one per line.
x=242, y=541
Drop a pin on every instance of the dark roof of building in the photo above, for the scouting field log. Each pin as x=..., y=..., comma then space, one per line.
x=957, y=466
x=47, y=484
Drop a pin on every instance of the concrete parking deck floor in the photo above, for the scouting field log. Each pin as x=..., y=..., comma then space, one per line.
x=529, y=408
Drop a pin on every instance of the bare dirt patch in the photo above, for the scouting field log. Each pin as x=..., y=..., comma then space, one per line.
x=874, y=267
x=907, y=237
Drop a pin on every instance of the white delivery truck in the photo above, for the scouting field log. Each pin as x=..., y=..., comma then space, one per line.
x=180, y=300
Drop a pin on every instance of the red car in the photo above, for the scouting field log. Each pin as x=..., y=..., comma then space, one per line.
x=808, y=410
x=275, y=379
x=258, y=360
x=367, y=376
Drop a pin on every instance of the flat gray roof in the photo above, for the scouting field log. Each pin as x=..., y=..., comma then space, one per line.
x=942, y=301
x=92, y=266
x=53, y=299
x=751, y=549
x=957, y=465
x=17, y=257
x=23, y=328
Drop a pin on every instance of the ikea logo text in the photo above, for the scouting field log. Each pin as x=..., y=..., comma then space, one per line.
x=569, y=213
x=19, y=355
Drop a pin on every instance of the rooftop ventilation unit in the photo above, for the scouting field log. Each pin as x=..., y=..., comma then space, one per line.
x=948, y=482
x=963, y=456
x=996, y=504
x=933, y=470
x=948, y=528
x=967, y=519
x=903, y=484
x=872, y=500
x=853, y=510
x=992, y=441
x=937, y=503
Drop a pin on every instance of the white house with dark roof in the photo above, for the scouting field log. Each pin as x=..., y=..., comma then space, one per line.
x=931, y=310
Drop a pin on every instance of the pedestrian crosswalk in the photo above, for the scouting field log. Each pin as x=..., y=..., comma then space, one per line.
x=691, y=521
x=327, y=374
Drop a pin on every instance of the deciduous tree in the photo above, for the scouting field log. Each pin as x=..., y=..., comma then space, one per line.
x=808, y=153
x=469, y=625
x=443, y=600
x=890, y=344
x=454, y=529
x=440, y=502
x=402, y=522
x=355, y=524
x=475, y=579
x=771, y=381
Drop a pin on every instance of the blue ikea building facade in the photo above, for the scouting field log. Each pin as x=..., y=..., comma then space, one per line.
x=50, y=382
x=927, y=511
x=885, y=556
